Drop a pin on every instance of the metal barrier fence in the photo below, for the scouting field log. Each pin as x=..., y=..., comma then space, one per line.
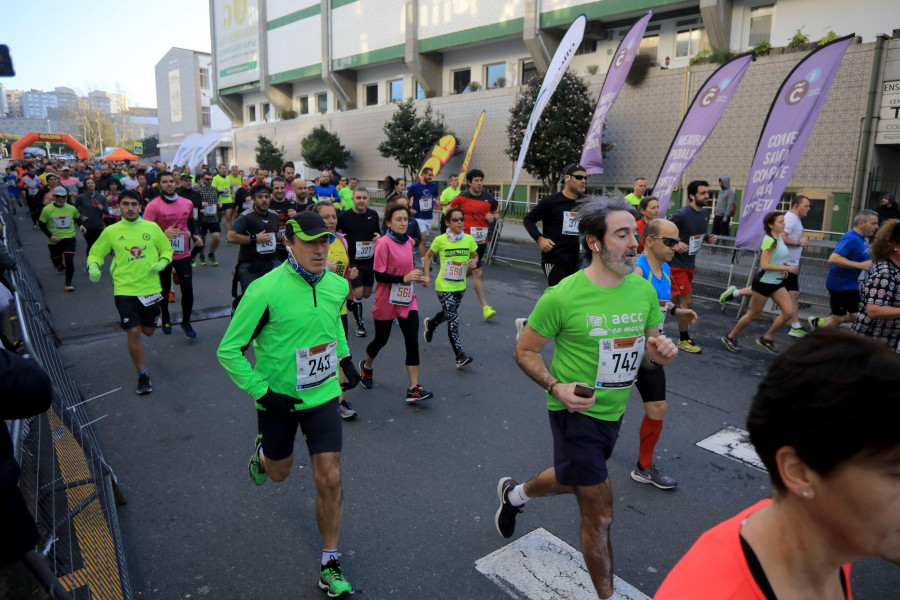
x=65, y=479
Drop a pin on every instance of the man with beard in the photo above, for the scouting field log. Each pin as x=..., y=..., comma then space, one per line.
x=604, y=321
x=692, y=222
x=255, y=231
x=285, y=208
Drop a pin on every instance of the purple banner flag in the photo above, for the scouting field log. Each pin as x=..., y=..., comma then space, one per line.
x=790, y=122
x=701, y=118
x=591, y=155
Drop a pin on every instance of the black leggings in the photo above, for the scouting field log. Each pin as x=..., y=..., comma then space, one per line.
x=90, y=236
x=183, y=269
x=69, y=259
x=450, y=302
x=410, y=328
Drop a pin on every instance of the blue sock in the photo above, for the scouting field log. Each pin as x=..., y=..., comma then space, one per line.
x=144, y=372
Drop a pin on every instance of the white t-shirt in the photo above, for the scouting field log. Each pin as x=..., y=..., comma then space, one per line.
x=793, y=228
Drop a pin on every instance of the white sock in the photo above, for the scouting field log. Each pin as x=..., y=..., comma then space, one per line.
x=613, y=597
x=736, y=294
x=517, y=496
x=329, y=555
x=796, y=325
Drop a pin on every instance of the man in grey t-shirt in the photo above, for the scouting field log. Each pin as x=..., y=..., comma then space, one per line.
x=796, y=242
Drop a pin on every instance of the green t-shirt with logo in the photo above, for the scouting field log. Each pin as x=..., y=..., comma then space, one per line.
x=224, y=186
x=60, y=221
x=597, y=333
x=453, y=256
x=346, y=195
x=136, y=246
x=447, y=197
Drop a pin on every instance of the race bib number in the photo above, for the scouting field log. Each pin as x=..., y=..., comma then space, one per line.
x=177, y=244
x=664, y=307
x=454, y=271
x=196, y=214
x=115, y=212
x=266, y=247
x=210, y=210
x=479, y=233
x=316, y=365
x=62, y=222
x=570, y=223
x=401, y=294
x=365, y=250
x=424, y=204
x=235, y=188
x=618, y=361
x=150, y=300
x=694, y=244
x=32, y=191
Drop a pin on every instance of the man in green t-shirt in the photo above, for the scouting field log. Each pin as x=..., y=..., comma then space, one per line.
x=57, y=221
x=635, y=197
x=140, y=251
x=447, y=196
x=222, y=184
x=346, y=193
x=604, y=321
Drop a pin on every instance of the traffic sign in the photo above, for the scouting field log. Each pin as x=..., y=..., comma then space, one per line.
x=138, y=148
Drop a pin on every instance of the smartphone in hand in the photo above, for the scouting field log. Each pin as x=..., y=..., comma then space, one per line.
x=584, y=391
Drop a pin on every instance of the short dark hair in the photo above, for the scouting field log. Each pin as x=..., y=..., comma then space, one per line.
x=162, y=174
x=452, y=175
x=470, y=175
x=820, y=398
x=279, y=178
x=452, y=210
x=645, y=202
x=427, y=169
x=694, y=186
x=112, y=181
x=259, y=187
x=129, y=194
x=393, y=207
x=288, y=164
x=593, y=216
x=797, y=200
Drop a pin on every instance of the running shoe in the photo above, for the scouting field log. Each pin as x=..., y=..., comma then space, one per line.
x=202, y=260
x=69, y=287
x=653, y=476
x=346, y=411
x=60, y=269
x=520, y=327
x=188, y=330
x=193, y=264
x=144, y=386
x=167, y=328
x=212, y=260
x=417, y=393
x=171, y=296
x=331, y=579
x=462, y=360
x=257, y=471
x=488, y=312
x=360, y=329
x=815, y=322
x=428, y=330
x=365, y=375
x=797, y=332
x=731, y=344
x=688, y=345
x=727, y=294
x=505, y=519
x=767, y=344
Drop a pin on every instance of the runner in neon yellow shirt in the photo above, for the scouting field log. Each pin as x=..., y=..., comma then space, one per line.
x=447, y=197
x=140, y=251
x=57, y=221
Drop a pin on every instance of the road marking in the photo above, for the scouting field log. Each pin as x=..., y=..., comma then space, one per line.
x=734, y=443
x=540, y=566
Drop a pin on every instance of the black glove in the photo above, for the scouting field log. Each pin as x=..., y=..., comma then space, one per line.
x=278, y=404
x=350, y=373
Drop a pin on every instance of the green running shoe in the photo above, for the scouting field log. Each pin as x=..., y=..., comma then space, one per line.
x=257, y=471
x=727, y=294
x=331, y=579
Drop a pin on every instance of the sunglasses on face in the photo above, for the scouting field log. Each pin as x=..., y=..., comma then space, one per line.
x=578, y=177
x=668, y=242
x=457, y=219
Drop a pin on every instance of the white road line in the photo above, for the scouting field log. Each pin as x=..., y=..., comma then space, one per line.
x=733, y=442
x=540, y=566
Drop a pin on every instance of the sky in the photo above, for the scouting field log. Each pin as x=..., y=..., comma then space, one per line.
x=100, y=45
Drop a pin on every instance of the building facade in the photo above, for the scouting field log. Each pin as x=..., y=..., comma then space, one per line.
x=283, y=67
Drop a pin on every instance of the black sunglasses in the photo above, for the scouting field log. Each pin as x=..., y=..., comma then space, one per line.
x=457, y=219
x=579, y=177
x=668, y=242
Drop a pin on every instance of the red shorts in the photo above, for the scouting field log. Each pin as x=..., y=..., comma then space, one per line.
x=681, y=281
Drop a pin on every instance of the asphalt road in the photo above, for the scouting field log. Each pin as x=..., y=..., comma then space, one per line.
x=419, y=481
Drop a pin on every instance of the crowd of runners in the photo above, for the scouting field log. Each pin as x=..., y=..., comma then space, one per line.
x=310, y=255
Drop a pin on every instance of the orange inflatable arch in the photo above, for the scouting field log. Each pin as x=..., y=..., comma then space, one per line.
x=18, y=148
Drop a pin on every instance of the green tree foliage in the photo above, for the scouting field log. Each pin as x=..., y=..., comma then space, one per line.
x=409, y=138
x=559, y=135
x=322, y=149
x=268, y=156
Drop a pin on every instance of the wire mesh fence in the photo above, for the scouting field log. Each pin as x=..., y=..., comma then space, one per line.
x=65, y=479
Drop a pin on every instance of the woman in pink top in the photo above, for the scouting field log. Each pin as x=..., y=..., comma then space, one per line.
x=395, y=299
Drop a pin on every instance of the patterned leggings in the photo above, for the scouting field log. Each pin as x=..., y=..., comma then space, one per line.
x=450, y=302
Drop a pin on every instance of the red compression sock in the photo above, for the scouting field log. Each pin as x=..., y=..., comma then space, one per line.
x=650, y=432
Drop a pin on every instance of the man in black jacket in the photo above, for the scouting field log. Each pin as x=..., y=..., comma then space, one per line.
x=888, y=209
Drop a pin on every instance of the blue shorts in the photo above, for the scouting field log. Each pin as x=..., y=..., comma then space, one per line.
x=581, y=447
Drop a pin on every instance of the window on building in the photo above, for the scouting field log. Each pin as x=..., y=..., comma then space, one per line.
x=204, y=117
x=761, y=24
x=495, y=76
x=395, y=90
x=322, y=102
x=204, y=78
x=690, y=38
x=372, y=94
x=266, y=111
x=303, y=104
x=420, y=93
x=587, y=46
x=528, y=71
x=251, y=113
x=461, y=80
x=650, y=46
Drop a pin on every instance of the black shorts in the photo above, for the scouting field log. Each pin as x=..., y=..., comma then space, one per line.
x=651, y=383
x=132, y=313
x=766, y=289
x=581, y=447
x=66, y=246
x=844, y=302
x=321, y=427
x=227, y=205
x=365, y=277
x=480, y=252
x=210, y=228
x=792, y=282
